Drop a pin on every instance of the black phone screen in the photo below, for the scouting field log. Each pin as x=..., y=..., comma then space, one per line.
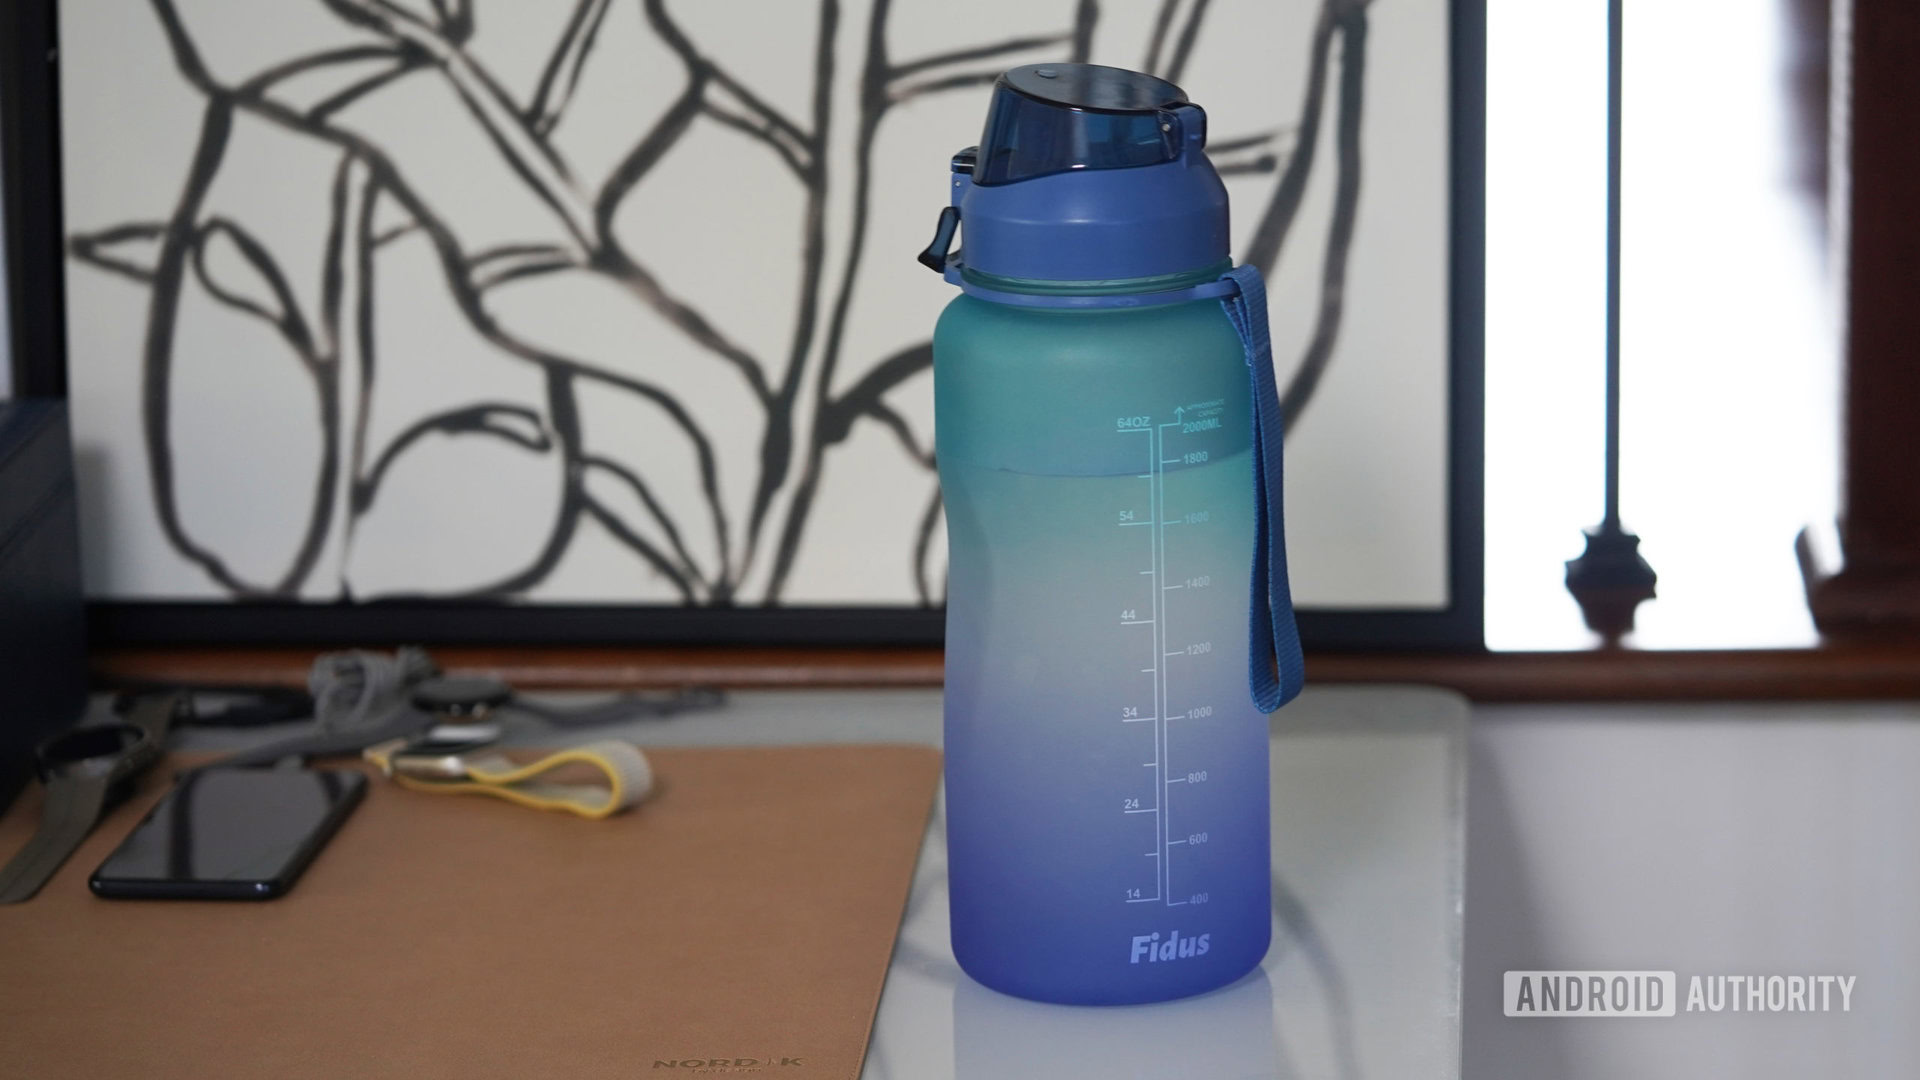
x=230, y=834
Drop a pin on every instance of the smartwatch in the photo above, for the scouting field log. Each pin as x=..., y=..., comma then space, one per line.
x=451, y=698
x=87, y=772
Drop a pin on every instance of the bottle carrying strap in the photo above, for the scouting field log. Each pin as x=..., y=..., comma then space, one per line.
x=1275, y=668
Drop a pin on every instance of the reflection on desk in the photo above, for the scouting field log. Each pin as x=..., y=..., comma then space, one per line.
x=1363, y=980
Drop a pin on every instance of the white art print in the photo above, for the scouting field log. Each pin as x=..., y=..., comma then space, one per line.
x=614, y=301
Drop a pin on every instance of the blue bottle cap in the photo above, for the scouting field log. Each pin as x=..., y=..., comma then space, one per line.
x=1086, y=173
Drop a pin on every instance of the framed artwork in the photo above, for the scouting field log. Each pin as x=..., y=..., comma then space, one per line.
x=584, y=320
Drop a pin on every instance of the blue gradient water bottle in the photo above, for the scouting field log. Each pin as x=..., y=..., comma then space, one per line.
x=1108, y=440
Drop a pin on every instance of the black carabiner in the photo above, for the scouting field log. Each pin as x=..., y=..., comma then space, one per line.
x=935, y=257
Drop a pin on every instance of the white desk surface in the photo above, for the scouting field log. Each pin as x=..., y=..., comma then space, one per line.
x=1363, y=979
x=1740, y=839
x=1364, y=976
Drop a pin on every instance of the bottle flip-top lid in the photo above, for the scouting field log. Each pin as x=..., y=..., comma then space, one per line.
x=1085, y=173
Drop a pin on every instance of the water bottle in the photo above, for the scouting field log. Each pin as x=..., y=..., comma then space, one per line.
x=1107, y=433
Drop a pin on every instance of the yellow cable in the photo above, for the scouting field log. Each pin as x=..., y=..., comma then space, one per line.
x=629, y=778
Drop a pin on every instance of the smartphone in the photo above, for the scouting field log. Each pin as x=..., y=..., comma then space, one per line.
x=230, y=834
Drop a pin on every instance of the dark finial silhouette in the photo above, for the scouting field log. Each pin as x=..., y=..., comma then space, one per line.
x=1611, y=579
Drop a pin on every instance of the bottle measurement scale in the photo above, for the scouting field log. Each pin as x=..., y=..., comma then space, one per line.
x=1166, y=448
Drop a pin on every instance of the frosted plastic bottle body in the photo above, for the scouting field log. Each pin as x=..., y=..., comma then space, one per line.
x=1107, y=820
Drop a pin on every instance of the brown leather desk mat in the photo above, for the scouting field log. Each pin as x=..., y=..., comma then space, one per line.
x=738, y=921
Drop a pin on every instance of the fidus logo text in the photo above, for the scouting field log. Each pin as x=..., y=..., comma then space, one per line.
x=1149, y=947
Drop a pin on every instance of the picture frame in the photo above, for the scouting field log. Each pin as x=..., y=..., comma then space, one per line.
x=36, y=247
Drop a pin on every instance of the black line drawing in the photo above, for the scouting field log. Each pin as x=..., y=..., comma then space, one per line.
x=809, y=402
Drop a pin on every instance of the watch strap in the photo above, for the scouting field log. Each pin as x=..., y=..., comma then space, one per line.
x=72, y=806
x=625, y=769
x=155, y=713
x=76, y=798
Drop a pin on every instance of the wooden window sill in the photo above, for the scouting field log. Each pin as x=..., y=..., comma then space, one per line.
x=1837, y=671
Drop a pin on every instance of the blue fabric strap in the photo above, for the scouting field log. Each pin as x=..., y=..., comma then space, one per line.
x=1275, y=668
